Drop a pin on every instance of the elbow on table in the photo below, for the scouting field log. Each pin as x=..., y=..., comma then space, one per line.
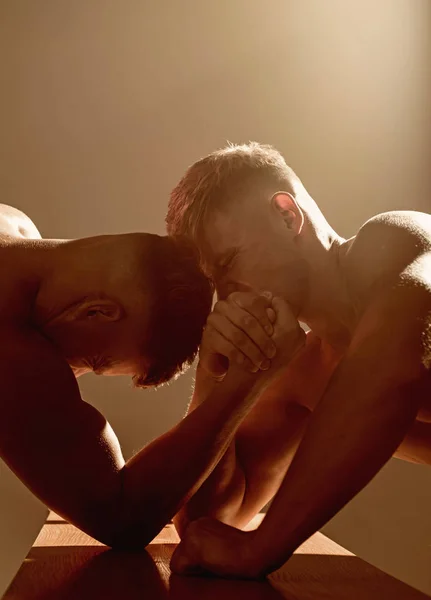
x=128, y=539
x=130, y=535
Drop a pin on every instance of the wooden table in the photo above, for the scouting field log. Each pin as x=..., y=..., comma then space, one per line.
x=66, y=564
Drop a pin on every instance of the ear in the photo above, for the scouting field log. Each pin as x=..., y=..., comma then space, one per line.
x=94, y=309
x=286, y=205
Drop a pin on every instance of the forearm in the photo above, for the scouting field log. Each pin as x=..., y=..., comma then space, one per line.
x=221, y=494
x=248, y=474
x=252, y=469
x=165, y=474
x=346, y=444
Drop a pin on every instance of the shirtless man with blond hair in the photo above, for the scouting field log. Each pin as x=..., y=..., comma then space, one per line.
x=356, y=391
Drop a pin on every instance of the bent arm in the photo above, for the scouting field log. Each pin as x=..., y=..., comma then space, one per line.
x=369, y=405
x=255, y=463
x=67, y=454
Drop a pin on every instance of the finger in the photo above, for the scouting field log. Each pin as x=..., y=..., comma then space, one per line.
x=238, y=338
x=251, y=327
x=287, y=321
x=218, y=344
x=256, y=306
x=271, y=314
x=283, y=312
x=217, y=365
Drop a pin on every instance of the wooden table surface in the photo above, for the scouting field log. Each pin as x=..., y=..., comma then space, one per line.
x=66, y=564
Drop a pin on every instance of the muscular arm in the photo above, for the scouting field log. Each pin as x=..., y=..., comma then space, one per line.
x=67, y=454
x=369, y=405
x=253, y=467
x=221, y=494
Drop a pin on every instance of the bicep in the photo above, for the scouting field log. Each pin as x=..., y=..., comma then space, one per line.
x=59, y=446
x=394, y=329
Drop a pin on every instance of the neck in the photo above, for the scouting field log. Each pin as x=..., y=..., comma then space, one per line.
x=32, y=259
x=327, y=308
x=26, y=265
x=57, y=273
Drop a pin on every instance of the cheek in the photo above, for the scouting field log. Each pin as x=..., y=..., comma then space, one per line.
x=67, y=339
x=259, y=277
x=236, y=283
x=249, y=273
x=79, y=341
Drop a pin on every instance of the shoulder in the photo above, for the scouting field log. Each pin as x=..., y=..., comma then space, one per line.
x=386, y=250
x=388, y=268
x=405, y=224
x=15, y=223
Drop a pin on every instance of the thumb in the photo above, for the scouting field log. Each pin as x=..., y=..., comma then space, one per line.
x=183, y=564
x=180, y=564
x=284, y=313
x=214, y=364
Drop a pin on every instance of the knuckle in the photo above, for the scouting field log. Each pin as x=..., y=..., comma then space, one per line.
x=208, y=331
x=240, y=298
x=252, y=352
x=259, y=309
x=234, y=355
x=234, y=296
x=251, y=366
x=256, y=356
x=219, y=306
x=238, y=338
x=210, y=320
x=259, y=300
x=256, y=302
x=270, y=348
x=246, y=321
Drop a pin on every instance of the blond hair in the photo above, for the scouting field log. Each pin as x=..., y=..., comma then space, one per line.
x=223, y=176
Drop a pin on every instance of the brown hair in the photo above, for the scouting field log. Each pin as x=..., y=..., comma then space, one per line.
x=222, y=176
x=182, y=298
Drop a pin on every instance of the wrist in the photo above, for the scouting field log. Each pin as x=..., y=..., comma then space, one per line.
x=253, y=561
x=264, y=555
x=265, y=379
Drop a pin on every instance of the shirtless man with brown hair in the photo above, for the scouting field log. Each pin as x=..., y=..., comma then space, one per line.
x=357, y=391
x=134, y=305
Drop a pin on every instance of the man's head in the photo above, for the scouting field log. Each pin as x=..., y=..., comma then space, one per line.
x=249, y=215
x=131, y=304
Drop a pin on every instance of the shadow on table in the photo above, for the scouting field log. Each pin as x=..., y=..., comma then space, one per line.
x=88, y=572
